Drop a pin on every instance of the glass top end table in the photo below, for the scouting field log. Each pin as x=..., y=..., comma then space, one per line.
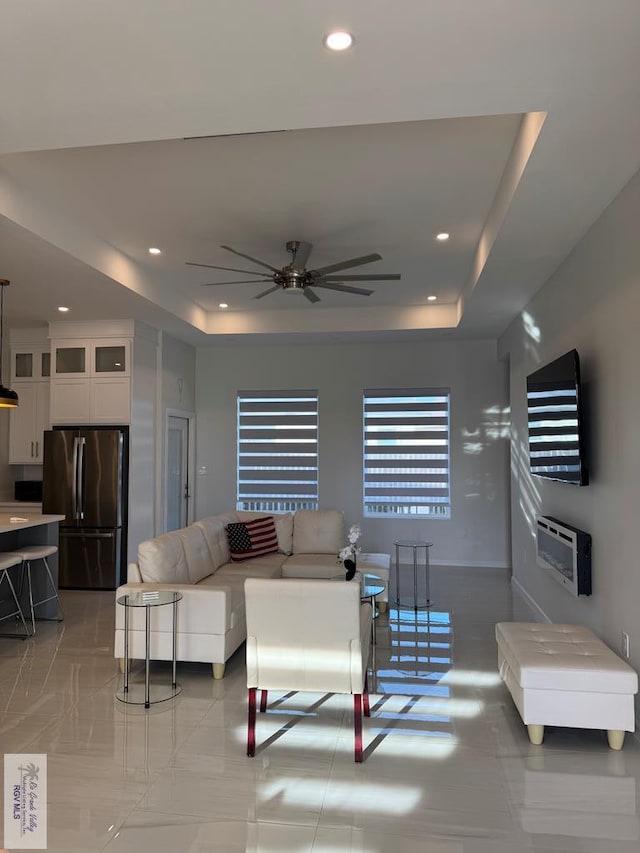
x=415, y=545
x=370, y=586
x=132, y=693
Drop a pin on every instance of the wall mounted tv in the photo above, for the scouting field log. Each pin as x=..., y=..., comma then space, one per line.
x=556, y=445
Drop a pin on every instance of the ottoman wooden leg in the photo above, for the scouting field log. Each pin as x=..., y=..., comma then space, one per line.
x=382, y=606
x=218, y=670
x=615, y=738
x=536, y=733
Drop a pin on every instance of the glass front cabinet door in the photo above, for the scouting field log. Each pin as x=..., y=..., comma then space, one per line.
x=107, y=357
x=30, y=364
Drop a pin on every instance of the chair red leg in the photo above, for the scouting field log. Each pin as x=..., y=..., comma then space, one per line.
x=263, y=701
x=251, y=727
x=365, y=698
x=357, y=726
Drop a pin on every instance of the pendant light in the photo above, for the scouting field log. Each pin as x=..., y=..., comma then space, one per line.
x=8, y=397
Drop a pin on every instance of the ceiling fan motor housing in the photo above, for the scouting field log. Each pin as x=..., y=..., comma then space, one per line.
x=294, y=280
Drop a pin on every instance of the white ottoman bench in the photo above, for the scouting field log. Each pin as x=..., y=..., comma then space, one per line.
x=563, y=675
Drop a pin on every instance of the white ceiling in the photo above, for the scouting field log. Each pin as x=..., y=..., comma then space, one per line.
x=510, y=125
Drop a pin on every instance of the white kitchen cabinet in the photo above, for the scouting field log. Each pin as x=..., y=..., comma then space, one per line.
x=30, y=363
x=91, y=381
x=70, y=401
x=30, y=360
x=90, y=401
x=28, y=422
x=110, y=401
x=108, y=357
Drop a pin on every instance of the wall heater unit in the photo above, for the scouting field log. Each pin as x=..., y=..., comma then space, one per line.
x=566, y=552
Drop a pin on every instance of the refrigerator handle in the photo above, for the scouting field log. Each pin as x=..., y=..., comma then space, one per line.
x=82, y=447
x=74, y=478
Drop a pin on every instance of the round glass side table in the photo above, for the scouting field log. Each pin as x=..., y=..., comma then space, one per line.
x=370, y=586
x=132, y=693
x=415, y=546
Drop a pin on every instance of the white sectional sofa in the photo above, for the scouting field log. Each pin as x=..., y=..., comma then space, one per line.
x=196, y=562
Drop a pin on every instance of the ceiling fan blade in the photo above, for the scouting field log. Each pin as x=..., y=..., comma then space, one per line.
x=228, y=269
x=385, y=277
x=311, y=296
x=270, y=290
x=240, y=281
x=302, y=255
x=335, y=285
x=345, y=265
x=249, y=258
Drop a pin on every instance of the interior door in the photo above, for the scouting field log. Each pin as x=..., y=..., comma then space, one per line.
x=177, y=481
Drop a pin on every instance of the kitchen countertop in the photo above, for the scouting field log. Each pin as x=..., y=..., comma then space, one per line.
x=33, y=519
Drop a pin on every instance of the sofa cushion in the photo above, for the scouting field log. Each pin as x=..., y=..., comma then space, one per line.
x=162, y=560
x=196, y=552
x=249, y=539
x=284, y=527
x=268, y=566
x=318, y=531
x=312, y=566
x=213, y=528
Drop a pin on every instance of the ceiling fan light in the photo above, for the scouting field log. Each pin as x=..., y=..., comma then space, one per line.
x=338, y=40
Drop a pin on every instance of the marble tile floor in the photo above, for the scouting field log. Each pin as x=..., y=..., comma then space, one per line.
x=448, y=768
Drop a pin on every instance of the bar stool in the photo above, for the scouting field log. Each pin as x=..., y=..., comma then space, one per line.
x=27, y=555
x=7, y=561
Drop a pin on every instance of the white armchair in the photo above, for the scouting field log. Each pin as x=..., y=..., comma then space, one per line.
x=307, y=635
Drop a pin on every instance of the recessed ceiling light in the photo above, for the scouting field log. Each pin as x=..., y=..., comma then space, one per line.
x=338, y=40
x=154, y=251
x=442, y=236
x=62, y=308
x=431, y=298
x=223, y=305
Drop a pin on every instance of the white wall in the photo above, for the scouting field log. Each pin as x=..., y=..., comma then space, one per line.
x=477, y=533
x=178, y=394
x=592, y=303
x=142, y=441
x=178, y=375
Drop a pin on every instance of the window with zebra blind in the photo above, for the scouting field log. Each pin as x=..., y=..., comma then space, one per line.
x=406, y=453
x=277, y=450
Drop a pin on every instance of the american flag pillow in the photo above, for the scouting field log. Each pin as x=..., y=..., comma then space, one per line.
x=252, y=538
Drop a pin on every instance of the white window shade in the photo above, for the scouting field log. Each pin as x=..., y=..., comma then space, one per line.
x=277, y=459
x=406, y=453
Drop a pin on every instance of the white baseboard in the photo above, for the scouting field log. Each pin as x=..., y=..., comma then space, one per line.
x=467, y=564
x=521, y=591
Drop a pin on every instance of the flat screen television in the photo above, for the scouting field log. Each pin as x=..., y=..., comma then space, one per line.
x=556, y=441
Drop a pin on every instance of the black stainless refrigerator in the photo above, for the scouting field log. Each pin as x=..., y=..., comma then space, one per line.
x=85, y=479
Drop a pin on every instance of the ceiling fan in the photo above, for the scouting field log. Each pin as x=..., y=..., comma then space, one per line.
x=296, y=278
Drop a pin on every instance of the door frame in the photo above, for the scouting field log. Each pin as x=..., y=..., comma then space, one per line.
x=190, y=417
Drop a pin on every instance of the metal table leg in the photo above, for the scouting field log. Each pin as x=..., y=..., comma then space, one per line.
x=126, y=648
x=147, y=653
x=175, y=640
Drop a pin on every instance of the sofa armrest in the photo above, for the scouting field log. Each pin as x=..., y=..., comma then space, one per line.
x=202, y=610
x=133, y=573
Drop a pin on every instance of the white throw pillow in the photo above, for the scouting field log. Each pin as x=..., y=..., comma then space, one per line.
x=318, y=531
